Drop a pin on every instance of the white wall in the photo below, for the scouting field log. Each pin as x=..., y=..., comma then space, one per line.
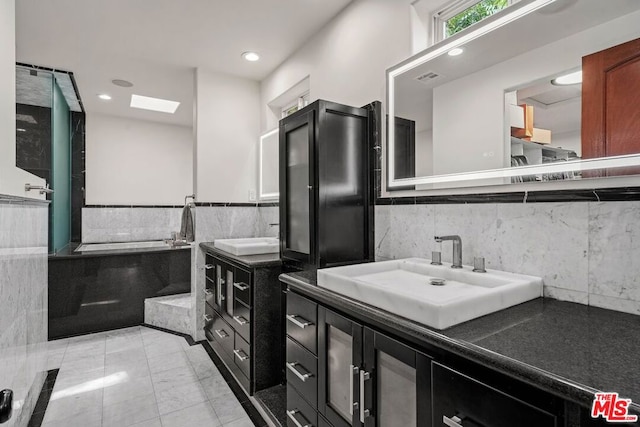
x=12, y=179
x=476, y=102
x=136, y=162
x=227, y=124
x=347, y=60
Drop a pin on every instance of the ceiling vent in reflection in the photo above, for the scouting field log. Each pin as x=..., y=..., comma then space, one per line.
x=427, y=77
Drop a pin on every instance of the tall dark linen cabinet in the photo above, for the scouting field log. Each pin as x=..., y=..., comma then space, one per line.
x=326, y=188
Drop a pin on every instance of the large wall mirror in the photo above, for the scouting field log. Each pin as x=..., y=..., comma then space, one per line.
x=268, y=167
x=545, y=91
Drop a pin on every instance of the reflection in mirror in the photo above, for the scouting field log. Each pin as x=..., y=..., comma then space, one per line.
x=502, y=110
x=268, y=167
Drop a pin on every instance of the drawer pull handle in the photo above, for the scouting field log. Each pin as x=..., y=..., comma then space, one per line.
x=221, y=333
x=241, y=286
x=292, y=367
x=292, y=318
x=364, y=413
x=353, y=370
x=241, y=320
x=452, y=422
x=208, y=292
x=292, y=416
x=207, y=318
x=241, y=355
x=208, y=266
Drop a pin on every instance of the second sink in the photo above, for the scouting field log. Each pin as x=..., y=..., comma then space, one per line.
x=249, y=246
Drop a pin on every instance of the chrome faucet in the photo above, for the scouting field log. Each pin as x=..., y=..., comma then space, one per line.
x=457, y=248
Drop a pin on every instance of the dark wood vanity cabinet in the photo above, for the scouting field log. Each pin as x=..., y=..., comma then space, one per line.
x=243, y=320
x=360, y=377
x=326, y=201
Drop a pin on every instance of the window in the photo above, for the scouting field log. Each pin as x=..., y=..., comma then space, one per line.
x=461, y=14
x=295, y=105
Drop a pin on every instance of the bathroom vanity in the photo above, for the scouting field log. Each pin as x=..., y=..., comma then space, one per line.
x=534, y=364
x=243, y=319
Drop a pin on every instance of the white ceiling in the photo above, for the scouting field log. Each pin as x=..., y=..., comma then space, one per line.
x=157, y=44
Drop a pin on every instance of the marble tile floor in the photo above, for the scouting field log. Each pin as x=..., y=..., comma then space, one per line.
x=138, y=377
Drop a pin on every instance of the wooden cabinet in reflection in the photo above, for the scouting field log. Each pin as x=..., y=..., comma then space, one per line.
x=611, y=104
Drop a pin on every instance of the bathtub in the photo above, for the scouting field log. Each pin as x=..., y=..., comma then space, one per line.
x=90, y=247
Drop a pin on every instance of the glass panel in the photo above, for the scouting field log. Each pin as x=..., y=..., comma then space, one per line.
x=338, y=360
x=229, y=283
x=61, y=171
x=218, y=285
x=396, y=392
x=297, y=146
x=475, y=13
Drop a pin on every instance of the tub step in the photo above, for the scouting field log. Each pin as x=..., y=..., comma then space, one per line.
x=172, y=312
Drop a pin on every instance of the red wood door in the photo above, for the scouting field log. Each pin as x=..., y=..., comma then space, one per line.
x=611, y=103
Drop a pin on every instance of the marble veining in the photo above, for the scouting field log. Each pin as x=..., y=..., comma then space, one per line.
x=128, y=224
x=23, y=299
x=171, y=312
x=586, y=252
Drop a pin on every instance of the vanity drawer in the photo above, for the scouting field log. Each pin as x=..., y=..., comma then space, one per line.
x=221, y=331
x=242, y=286
x=242, y=355
x=299, y=413
x=302, y=371
x=301, y=319
x=209, y=268
x=457, y=396
x=242, y=320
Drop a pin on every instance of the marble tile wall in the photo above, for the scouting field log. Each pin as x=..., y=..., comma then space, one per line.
x=586, y=252
x=23, y=304
x=129, y=224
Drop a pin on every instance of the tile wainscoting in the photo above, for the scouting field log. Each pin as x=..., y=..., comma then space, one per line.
x=23, y=303
x=586, y=252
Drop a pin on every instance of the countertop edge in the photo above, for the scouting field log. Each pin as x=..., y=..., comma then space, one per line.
x=418, y=334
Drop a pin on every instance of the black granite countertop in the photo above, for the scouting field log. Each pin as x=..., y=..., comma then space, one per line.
x=568, y=349
x=68, y=251
x=250, y=261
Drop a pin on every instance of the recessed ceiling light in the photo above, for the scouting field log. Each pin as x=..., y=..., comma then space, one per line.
x=455, y=51
x=251, y=56
x=568, y=79
x=104, y=97
x=121, y=83
x=154, y=104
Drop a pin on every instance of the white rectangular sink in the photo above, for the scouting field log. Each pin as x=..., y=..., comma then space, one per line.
x=403, y=287
x=249, y=246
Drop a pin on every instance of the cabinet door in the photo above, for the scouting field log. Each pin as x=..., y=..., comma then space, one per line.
x=339, y=359
x=296, y=187
x=397, y=384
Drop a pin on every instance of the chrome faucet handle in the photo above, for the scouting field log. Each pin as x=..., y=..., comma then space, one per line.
x=436, y=258
x=478, y=265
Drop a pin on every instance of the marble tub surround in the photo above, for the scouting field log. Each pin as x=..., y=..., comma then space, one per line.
x=586, y=252
x=23, y=303
x=172, y=312
x=122, y=224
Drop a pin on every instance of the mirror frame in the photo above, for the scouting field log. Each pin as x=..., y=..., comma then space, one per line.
x=489, y=24
x=262, y=196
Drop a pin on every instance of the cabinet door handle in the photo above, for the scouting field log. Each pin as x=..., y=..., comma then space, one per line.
x=353, y=370
x=451, y=422
x=240, y=320
x=364, y=376
x=241, y=286
x=223, y=281
x=241, y=355
x=221, y=333
x=292, y=318
x=292, y=367
x=208, y=266
x=292, y=416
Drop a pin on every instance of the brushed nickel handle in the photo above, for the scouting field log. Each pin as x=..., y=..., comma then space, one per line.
x=303, y=377
x=451, y=422
x=241, y=355
x=364, y=376
x=353, y=370
x=207, y=318
x=241, y=286
x=208, y=292
x=219, y=332
x=292, y=417
x=292, y=318
x=223, y=281
x=240, y=320
x=208, y=266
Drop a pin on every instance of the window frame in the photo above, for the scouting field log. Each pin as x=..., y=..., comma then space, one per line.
x=450, y=10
